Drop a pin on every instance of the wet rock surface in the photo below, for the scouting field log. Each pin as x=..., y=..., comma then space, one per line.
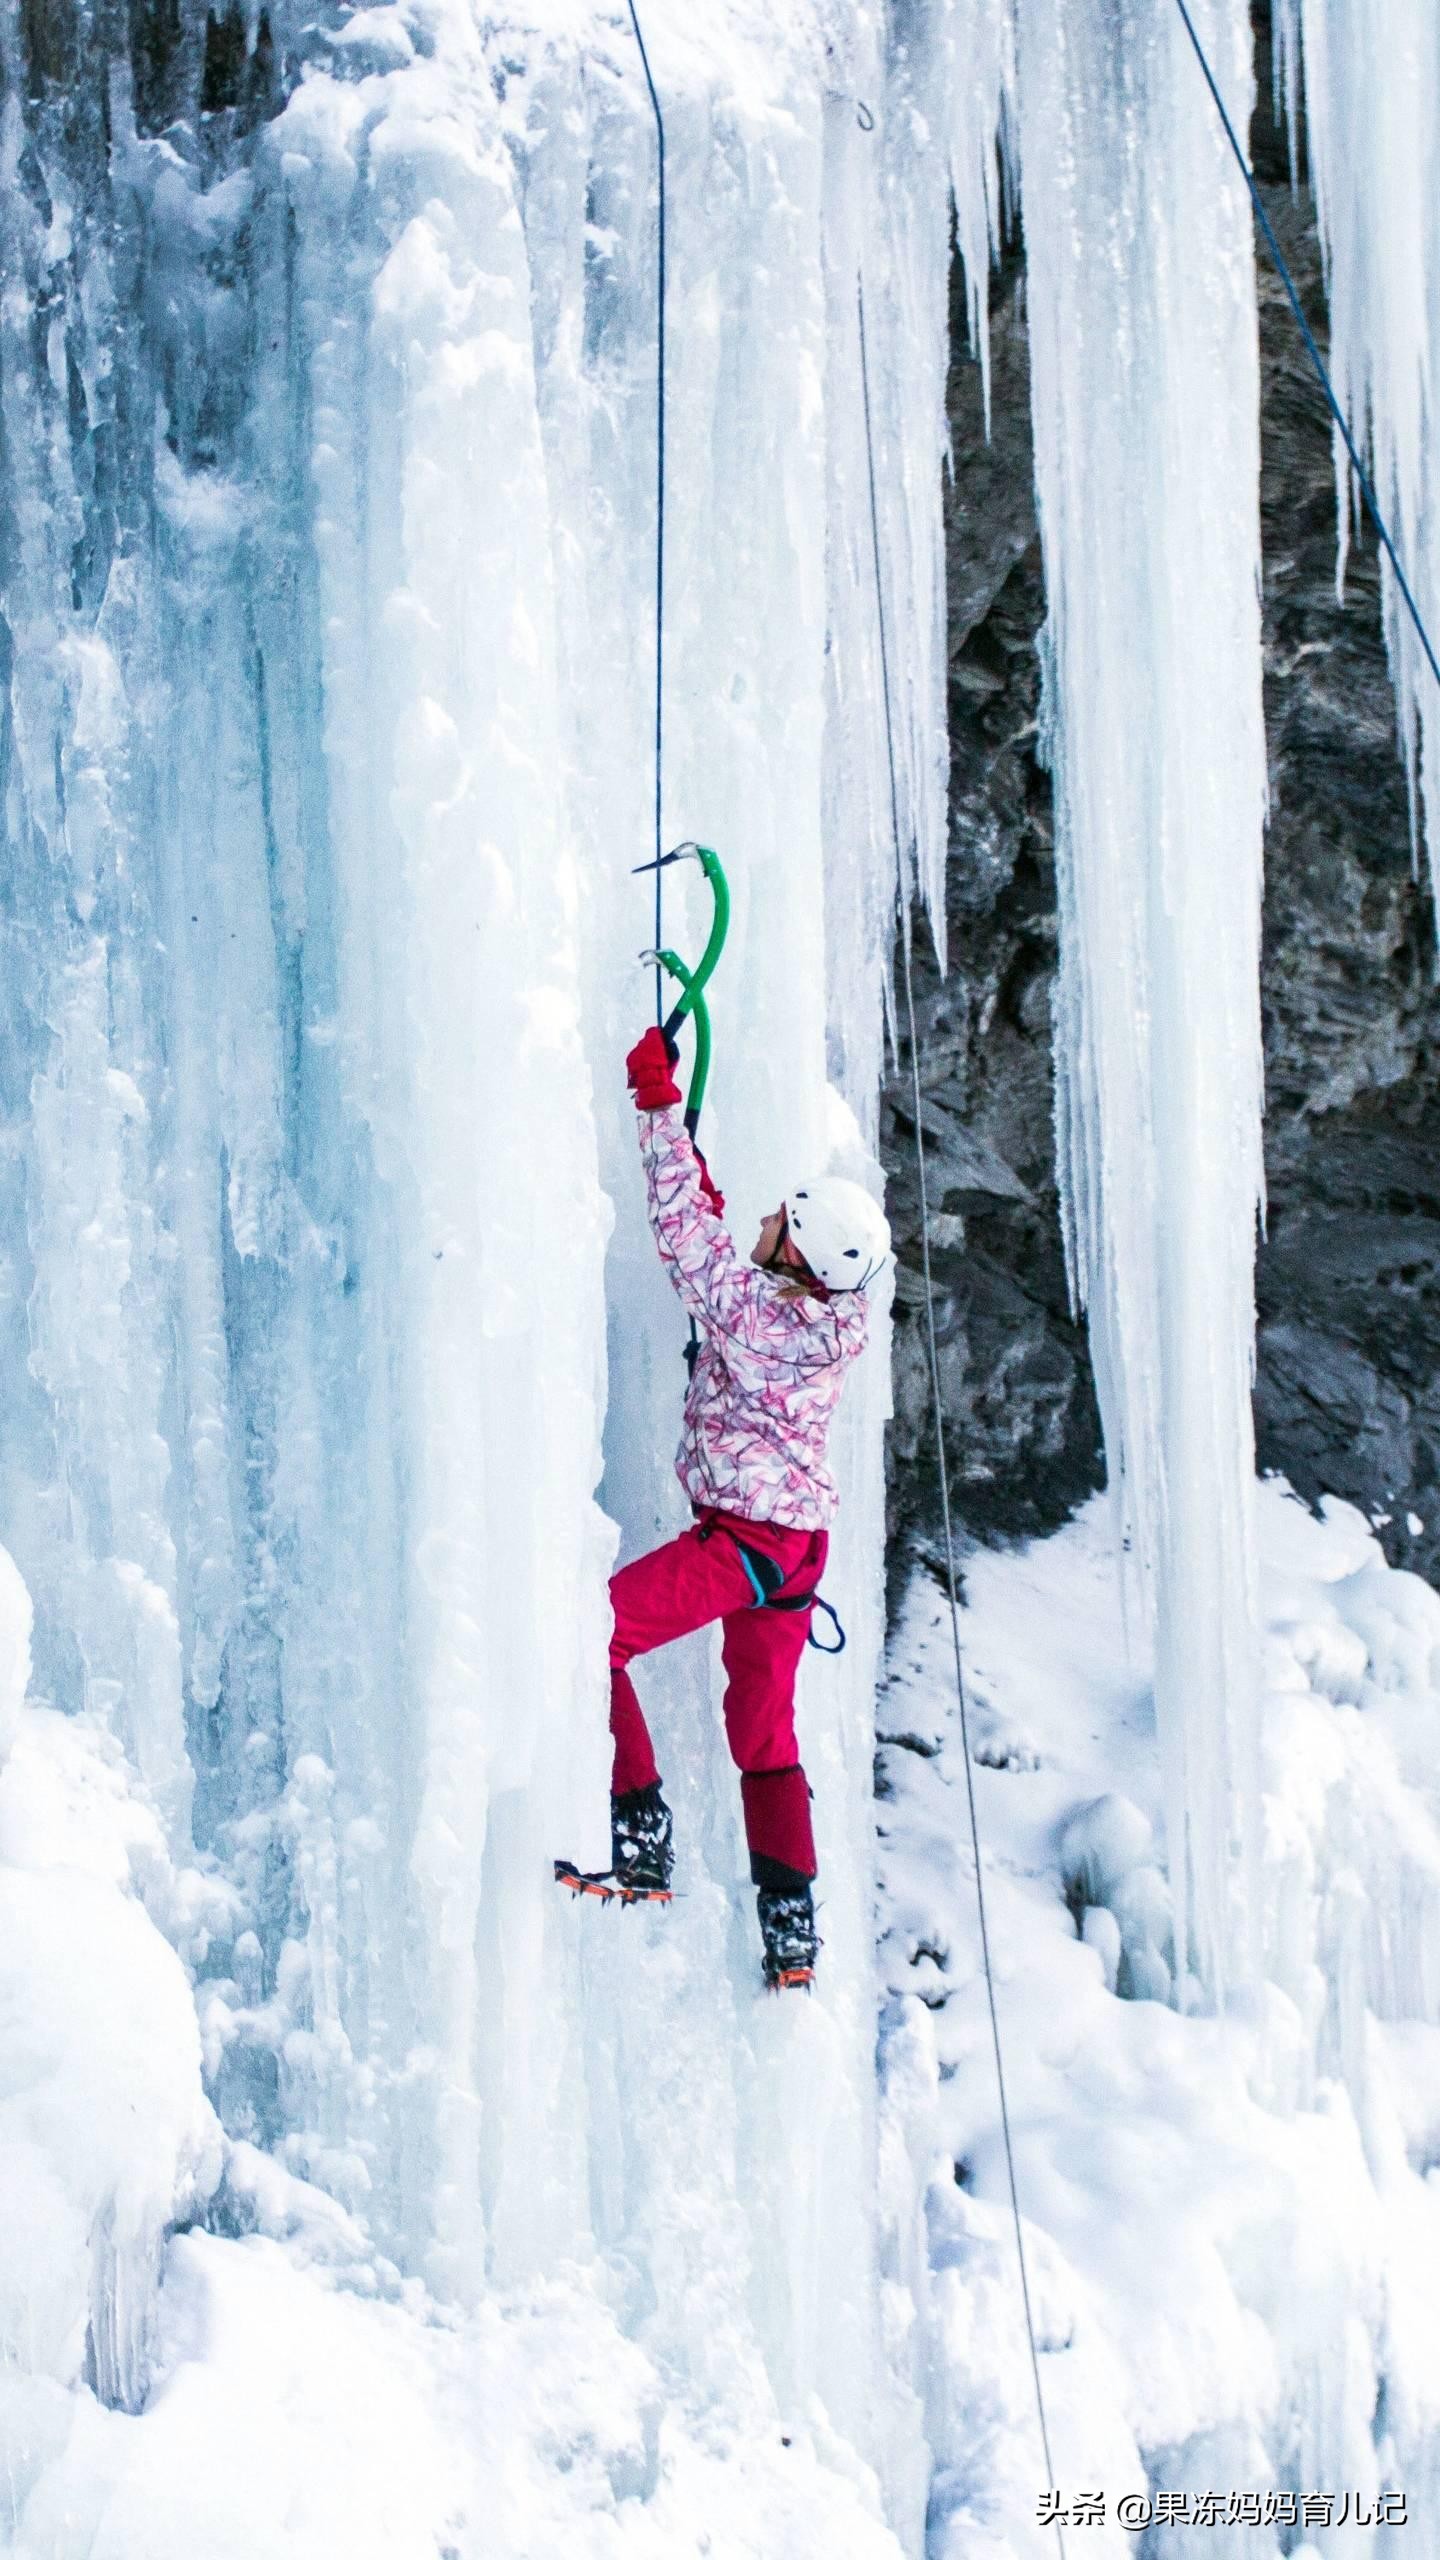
x=1348, y=1276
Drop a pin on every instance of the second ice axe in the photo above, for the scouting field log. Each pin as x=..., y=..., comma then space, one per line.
x=693, y=982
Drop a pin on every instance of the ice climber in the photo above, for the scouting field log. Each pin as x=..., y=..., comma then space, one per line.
x=777, y=1335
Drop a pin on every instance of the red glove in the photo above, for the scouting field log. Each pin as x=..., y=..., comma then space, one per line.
x=715, y=1197
x=647, y=1071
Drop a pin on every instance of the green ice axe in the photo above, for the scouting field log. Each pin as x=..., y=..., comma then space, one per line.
x=693, y=982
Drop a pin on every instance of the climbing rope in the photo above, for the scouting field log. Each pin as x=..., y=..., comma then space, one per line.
x=659, y=520
x=1308, y=334
x=937, y=1402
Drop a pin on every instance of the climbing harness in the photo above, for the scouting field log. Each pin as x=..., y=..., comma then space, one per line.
x=937, y=1402
x=767, y=1580
x=1308, y=334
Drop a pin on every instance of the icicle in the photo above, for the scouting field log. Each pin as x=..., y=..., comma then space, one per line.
x=1141, y=303
x=1285, y=78
x=982, y=91
x=1372, y=125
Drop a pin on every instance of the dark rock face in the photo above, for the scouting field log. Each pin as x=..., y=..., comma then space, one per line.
x=1348, y=1391
x=1022, y=1432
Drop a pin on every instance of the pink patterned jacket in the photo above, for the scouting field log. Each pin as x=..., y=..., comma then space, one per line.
x=771, y=1364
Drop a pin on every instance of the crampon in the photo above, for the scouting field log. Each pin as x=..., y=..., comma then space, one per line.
x=608, y=1887
x=641, y=1853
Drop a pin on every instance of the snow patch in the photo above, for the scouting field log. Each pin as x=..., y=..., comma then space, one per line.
x=1233, y=2222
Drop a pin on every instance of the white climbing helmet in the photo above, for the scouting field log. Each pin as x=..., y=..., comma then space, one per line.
x=843, y=1235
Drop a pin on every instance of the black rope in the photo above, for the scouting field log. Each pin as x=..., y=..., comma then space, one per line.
x=659, y=520
x=938, y=1403
x=1308, y=334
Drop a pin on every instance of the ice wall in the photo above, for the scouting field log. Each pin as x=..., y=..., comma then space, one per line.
x=1372, y=142
x=327, y=384
x=1142, y=310
x=106, y=2138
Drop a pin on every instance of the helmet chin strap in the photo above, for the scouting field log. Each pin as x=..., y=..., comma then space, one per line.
x=772, y=1261
x=799, y=1271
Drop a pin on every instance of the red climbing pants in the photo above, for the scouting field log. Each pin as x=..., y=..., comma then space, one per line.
x=696, y=1579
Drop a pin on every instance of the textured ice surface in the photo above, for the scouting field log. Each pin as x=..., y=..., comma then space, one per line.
x=106, y=2138
x=294, y=2420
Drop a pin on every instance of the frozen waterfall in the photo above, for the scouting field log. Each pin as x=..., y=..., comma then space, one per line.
x=336, y=1357
x=335, y=1361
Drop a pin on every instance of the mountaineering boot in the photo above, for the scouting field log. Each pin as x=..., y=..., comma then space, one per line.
x=641, y=1845
x=641, y=1852
x=787, y=1926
